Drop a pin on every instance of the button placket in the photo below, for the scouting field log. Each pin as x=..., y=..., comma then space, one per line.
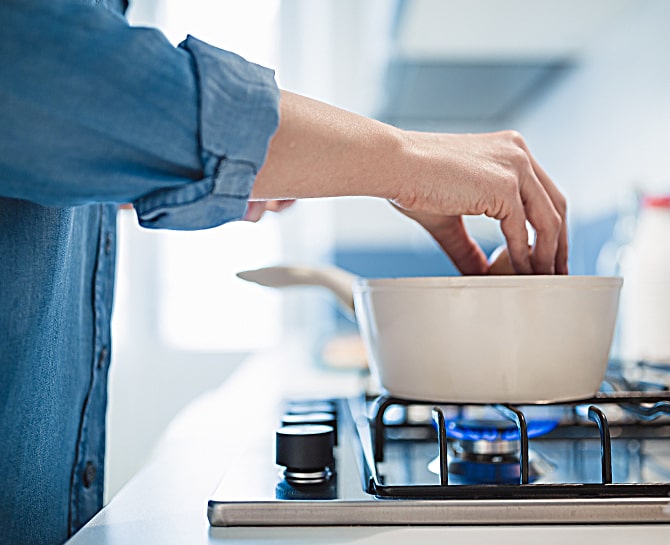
x=87, y=483
x=90, y=472
x=109, y=243
x=102, y=357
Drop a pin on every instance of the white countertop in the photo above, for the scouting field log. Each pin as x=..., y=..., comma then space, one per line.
x=166, y=502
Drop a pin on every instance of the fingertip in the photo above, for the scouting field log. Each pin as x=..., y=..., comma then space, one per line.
x=520, y=255
x=521, y=263
x=540, y=265
x=480, y=267
x=562, y=268
x=516, y=234
x=255, y=210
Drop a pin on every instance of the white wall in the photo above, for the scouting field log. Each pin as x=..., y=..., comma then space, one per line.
x=601, y=132
x=149, y=381
x=336, y=51
x=605, y=129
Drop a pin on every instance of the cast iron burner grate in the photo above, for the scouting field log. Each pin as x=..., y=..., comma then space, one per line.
x=372, y=437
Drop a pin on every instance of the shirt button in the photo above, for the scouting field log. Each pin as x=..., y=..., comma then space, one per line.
x=89, y=474
x=109, y=243
x=102, y=357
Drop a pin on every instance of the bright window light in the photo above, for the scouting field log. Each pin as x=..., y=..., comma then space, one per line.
x=248, y=28
x=204, y=306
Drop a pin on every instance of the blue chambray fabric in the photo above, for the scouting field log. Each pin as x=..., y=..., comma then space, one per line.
x=93, y=113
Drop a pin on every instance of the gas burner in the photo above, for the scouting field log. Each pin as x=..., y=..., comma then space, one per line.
x=494, y=431
x=484, y=440
x=465, y=468
x=484, y=450
x=487, y=452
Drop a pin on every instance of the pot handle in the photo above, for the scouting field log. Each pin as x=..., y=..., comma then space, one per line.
x=338, y=281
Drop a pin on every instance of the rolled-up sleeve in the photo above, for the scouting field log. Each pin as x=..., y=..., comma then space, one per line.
x=94, y=110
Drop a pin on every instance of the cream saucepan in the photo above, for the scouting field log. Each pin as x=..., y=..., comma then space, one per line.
x=476, y=339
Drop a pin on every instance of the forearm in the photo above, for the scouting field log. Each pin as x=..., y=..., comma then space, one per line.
x=323, y=151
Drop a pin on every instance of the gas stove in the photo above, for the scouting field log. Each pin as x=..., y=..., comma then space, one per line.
x=387, y=461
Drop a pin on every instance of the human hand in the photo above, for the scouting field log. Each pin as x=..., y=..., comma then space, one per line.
x=323, y=151
x=500, y=263
x=256, y=209
x=495, y=174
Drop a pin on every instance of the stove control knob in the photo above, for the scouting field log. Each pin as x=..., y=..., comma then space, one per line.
x=306, y=451
x=319, y=406
x=325, y=419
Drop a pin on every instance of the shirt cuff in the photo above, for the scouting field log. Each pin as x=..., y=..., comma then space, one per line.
x=239, y=113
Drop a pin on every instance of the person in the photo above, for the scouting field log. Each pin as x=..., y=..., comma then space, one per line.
x=95, y=113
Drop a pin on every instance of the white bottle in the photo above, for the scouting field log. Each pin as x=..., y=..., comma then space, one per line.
x=646, y=267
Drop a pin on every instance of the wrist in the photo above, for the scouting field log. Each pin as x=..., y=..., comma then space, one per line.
x=404, y=175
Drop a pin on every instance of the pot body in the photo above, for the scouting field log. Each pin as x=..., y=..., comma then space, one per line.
x=506, y=339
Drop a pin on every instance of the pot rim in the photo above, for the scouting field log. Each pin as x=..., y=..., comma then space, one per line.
x=484, y=282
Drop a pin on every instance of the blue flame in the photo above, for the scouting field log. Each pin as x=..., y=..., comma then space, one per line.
x=503, y=430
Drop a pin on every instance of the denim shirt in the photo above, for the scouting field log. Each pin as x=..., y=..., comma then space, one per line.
x=94, y=113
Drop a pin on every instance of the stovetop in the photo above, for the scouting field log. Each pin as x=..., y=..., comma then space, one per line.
x=397, y=462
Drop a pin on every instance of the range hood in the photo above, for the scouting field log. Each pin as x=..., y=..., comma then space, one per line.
x=421, y=92
x=483, y=61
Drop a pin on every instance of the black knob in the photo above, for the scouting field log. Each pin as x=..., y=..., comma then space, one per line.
x=324, y=419
x=320, y=406
x=305, y=448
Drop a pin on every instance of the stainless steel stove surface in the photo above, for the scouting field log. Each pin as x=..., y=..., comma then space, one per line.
x=398, y=462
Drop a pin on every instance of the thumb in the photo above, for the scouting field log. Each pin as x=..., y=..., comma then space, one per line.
x=454, y=239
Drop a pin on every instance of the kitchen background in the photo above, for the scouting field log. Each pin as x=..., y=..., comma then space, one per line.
x=586, y=81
